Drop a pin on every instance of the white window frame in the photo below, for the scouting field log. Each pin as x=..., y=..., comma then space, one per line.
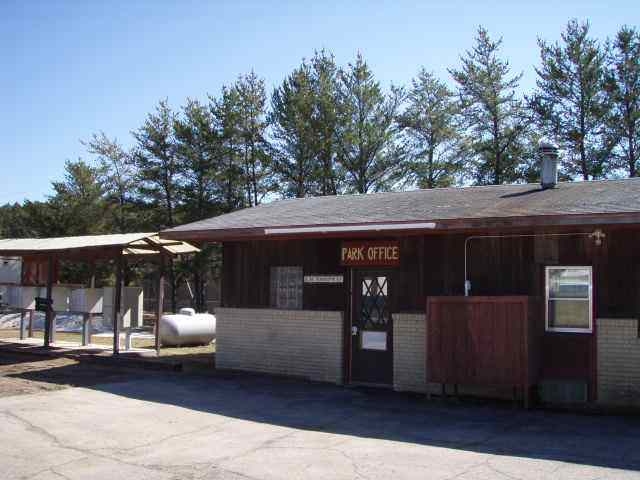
x=546, y=304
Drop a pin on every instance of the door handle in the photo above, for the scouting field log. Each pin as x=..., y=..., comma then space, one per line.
x=354, y=330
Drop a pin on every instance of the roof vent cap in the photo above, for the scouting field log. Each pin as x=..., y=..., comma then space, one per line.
x=549, y=161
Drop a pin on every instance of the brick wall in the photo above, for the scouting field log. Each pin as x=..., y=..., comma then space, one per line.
x=300, y=343
x=618, y=361
x=409, y=352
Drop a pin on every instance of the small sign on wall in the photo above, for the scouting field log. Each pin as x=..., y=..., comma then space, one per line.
x=324, y=279
x=370, y=253
x=373, y=340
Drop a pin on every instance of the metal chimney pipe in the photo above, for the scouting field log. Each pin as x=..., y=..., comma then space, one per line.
x=549, y=163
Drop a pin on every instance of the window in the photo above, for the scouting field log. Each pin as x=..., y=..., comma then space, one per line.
x=568, y=296
x=286, y=287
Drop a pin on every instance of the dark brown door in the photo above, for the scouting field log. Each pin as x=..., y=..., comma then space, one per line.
x=371, y=328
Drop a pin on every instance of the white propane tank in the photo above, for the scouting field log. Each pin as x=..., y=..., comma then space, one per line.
x=187, y=328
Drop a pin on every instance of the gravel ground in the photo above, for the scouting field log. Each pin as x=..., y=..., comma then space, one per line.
x=22, y=374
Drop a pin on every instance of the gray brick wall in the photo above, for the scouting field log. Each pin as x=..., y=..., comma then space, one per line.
x=300, y=343
x=618, y=361
x=409, y=352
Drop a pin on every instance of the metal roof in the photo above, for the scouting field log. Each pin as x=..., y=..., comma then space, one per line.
x=146, y=243
x=567, y=203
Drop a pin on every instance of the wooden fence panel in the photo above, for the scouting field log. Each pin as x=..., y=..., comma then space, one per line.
x=482, y=341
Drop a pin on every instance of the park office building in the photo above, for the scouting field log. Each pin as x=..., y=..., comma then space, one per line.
x=528, y=289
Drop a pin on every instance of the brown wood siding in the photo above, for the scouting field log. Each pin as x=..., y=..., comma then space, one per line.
x=35, y=271
x=434, y=266
x=482, y=341
x=246, y=271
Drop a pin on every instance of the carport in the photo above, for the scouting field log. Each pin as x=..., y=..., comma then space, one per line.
x=46, y=253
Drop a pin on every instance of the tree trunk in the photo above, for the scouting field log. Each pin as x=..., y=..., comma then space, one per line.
x=632, y=154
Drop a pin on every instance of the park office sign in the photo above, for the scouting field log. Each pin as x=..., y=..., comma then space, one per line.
x=376, y=253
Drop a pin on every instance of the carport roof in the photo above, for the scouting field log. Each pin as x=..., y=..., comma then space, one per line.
x=130, y=243
x=524, y=205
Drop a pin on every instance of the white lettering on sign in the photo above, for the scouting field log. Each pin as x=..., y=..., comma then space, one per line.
x=324, y=279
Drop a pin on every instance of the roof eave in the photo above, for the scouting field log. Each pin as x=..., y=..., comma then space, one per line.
x=444, y=225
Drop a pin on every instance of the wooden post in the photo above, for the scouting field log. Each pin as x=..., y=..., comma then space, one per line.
x=22, y=325
x=92, y=269
x=160, y=306
x=117, y=304
x=48, y=323
x=30, y=323
x=86, y=329
x=54, y=326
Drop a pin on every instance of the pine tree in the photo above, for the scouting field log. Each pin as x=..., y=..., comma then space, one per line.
x=325, y=120
x=198, y=148
x=491, y=112
x=197, y=151
x=117, y=175
x=623, y=91
x=429, y=123
x=293, y=134
x=252, y=125
x=570, y=102
x=14, y=221
x=159, y=174
x=230, y=180
x=366, y=134
x=77, y=206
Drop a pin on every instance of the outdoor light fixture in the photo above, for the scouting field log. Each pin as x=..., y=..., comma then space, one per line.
x=598, y=235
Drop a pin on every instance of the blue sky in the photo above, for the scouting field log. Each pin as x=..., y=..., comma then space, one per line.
x=71, y=68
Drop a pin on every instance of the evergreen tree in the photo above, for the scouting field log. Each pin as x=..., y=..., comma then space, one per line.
x=77, y=206
x=197, y=147
x=623, y=90
x=159, y=174
x=117, y=176
x=293, y=133
x=325, y=120
x=230, y=179
x=491, y=112
x=429, y=123
x=252, y=125
x=366, y=152
x=570, y=102
x=28, y=220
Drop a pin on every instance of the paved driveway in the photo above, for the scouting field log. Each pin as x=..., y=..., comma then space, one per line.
x=165, y=426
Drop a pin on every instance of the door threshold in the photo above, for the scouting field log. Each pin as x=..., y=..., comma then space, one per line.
x=386, y=386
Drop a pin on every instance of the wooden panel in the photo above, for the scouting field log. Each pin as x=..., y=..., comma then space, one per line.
x=35, y=270
x=480, y=341
x=434, y=265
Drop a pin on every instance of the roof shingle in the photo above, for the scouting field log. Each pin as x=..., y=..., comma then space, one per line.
x=434, y=205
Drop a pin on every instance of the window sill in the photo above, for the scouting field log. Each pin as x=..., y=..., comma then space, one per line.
x=569, y=330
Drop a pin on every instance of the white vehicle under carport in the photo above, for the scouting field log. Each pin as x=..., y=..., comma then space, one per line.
x=187, y=328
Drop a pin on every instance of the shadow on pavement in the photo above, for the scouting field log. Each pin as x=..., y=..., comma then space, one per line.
x=606, y=441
